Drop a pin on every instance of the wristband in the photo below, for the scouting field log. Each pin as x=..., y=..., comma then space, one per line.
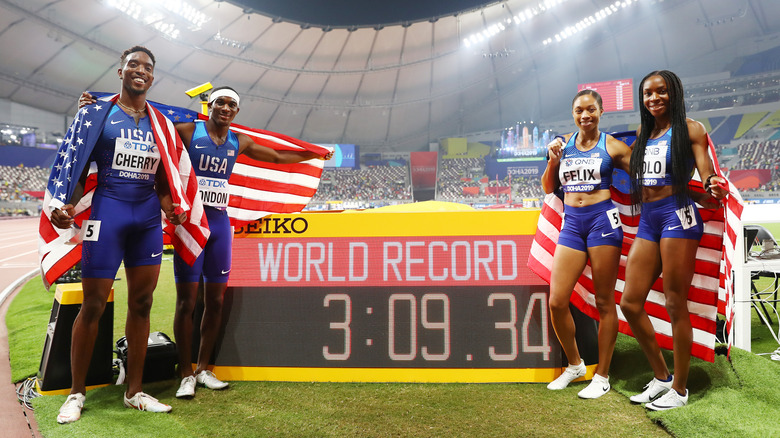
x=707, y=184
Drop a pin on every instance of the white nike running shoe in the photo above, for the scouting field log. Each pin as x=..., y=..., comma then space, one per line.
x=209, y=380
x=653, y=390
x=672, y=399
x=145, y=402
x=597, y=387
x=70, y=411
x=187, y=387
x=571, y=373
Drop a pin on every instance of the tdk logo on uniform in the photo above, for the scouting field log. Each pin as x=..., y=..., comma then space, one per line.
x=215, y=183
x=139, y=146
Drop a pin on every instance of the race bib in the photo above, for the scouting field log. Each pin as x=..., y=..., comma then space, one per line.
x=654, y=166
x=614, y=218
x=90, y=230
x=580, y=174
x=214, y=192
x=135, y=157
x=687, y=217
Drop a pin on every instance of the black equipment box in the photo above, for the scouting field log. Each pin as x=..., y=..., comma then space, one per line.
x=54, y=371
x=161, y=359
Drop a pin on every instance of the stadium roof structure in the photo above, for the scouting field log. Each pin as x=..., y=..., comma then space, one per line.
x=359, y=13
x=395, y=86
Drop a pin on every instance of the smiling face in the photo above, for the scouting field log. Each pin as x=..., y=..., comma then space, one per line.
x=223, y=110
x=655, y=96
x=586, y=112
x=137, y=73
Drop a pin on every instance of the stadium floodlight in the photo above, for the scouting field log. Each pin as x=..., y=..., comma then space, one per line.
x=524, y=16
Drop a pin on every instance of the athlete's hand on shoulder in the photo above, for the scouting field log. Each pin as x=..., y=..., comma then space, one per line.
x=86, y=99
x=555, y=149
x=63, y=217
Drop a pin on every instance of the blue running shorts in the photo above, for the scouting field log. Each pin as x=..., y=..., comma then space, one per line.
x=121, y=230
x=214, y=261
x=662, y=218
x=591, y=225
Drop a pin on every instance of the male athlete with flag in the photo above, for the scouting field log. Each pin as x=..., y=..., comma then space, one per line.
x=141, y=169
x=214, y=148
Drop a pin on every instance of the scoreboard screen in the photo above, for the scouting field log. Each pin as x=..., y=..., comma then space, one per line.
x=374, y=296
x=617, y=95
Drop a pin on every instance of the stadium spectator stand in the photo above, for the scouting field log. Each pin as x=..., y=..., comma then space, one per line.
x=368, y=187
x=20, y=189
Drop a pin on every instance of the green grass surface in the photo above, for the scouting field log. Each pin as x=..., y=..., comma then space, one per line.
x=728, y=398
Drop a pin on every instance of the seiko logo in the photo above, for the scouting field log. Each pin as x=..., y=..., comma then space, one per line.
x=276, y=225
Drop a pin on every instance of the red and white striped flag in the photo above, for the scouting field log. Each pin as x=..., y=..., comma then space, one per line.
x=711, y=279
x=258, y=189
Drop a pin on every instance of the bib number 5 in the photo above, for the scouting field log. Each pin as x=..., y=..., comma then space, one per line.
x=687, y=217
x=614, y=218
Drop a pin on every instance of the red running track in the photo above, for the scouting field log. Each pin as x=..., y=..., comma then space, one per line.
x=18, y=260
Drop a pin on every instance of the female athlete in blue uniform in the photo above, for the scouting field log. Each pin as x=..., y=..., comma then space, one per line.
x=668, y=148
x=582, y=167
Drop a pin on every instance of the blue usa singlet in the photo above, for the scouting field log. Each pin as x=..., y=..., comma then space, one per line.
x=127, y=157
x=585, y=171
x=125, y=221
x=213, y=165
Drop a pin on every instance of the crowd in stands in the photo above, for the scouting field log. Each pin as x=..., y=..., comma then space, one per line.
x=759, y=155
x=372, y=183
x=733, y=93
x=16, y=184
x=464, y=180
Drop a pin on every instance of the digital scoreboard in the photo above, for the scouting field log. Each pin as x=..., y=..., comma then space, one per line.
x=389, y=296
x=616, y=95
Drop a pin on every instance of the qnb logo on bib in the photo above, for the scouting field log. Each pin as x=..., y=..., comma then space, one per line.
x=135, y=159
x=654, y=166
x=580, y=174
x=214, y=192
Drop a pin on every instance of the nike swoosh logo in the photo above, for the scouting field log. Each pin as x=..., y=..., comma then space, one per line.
x=674, y=227
x=156, y=255
x=200, y=147
x=225, y=272
x=114, y=122
x=608, y=234
x=605, y=389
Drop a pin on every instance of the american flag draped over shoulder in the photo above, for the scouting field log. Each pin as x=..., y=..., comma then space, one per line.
x=59, y=250
x=711, y=285
x=258, y=189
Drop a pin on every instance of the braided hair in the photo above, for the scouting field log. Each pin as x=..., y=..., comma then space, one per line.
x=682, y=153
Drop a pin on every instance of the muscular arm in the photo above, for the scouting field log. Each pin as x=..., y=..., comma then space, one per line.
x=263, y=153
x=701, y=155
x=550, y=180
x=167, y=205
x=620, y=153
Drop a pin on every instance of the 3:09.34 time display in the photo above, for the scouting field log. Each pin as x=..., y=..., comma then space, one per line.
x=416, y=327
